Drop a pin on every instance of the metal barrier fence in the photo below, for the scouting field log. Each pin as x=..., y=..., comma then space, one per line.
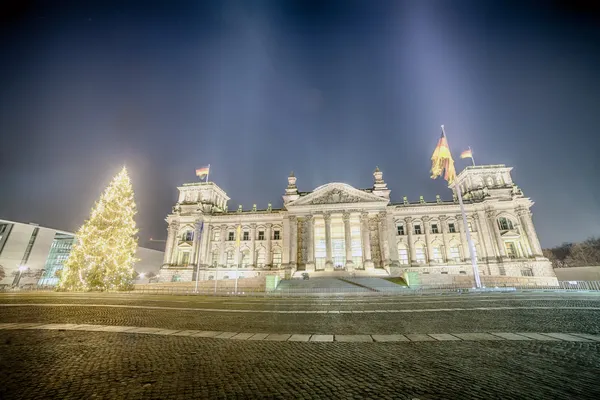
x=356, y=290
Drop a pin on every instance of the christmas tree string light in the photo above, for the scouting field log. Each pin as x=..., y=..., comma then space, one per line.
x=104, y=253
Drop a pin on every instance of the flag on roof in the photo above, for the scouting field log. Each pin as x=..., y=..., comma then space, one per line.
x=203, y=172
x=441, y=161
x=467, y=154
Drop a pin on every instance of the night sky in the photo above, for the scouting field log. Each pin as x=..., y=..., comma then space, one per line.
x=328, y=89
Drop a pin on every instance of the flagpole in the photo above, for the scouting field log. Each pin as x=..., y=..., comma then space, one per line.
x=466, y=228
x=472, y=159
x=207, y=173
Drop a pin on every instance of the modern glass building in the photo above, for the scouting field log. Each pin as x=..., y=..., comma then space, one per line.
x=59, y=252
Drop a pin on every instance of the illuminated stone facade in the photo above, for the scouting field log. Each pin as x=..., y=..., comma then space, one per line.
x=338, y=229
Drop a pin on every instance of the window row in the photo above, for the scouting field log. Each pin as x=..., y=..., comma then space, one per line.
x=434, y=228
x=421, y=256
x=246, y=236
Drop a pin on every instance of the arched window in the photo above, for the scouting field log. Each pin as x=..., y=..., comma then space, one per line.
x=214, y=258
x=402, y=254
x=245, y=258
x=437, y=253
x=187, y=236
x=277, y=258
x=230, y=259
x=260, y=258
x=490, y=181
x=505, y=224
x=420, y=253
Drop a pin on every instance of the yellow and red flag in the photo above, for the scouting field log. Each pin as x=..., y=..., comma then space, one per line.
x=441, y=161
x=238, y=236
x=467, y=154
x=203, y=172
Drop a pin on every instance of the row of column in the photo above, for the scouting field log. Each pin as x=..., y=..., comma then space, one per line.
x=310, y=247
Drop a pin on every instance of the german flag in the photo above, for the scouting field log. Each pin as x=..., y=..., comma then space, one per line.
x=441, y=161
x=467, y=154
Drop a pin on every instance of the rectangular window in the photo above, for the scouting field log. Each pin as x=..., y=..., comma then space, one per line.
x=185, y=258
x=420, y=254
x=511, y=250
x=403, y=256
x=502, y=271
x=451, y=228
x=454, y=253
x=526, y=272
x=401, y=230
x=277, y=259
x=417, y=229
x=434, y=228
x=231, y=236
x=261, y=235
x=246, y=236
x=217, y=236
x=276, y=235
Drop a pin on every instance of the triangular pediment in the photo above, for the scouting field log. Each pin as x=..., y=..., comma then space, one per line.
x=510, y=234
x=337, y=193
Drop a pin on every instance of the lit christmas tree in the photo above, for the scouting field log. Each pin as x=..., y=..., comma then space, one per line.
x=104, y=253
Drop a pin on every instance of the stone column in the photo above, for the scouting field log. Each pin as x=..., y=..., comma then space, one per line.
x=269, y=236
x=383, y=239
x=463, y=237
x=444, y=228
x=170, y=243
x=485, y=236
x=286, y=243
x=411, y=244
x=427, y=227
x=195, y=243
x=203, y=244
x=293, y=240
x=527, y=223
x=222, y=246
x=253, y=245
x=482, y=241
x=310, y=246
x=492, y=219
x=328, y=260
x=366, y=240
x=392, y=241
x=348, y=241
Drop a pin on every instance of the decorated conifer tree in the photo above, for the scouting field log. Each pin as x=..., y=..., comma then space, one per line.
x=104, y=252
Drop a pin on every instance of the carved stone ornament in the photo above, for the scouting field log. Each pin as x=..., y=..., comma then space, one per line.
x=336, y=196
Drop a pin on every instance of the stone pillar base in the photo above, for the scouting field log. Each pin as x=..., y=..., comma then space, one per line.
x=369, y=264
x=309, y=267
x=350, y=265
x=329, y=266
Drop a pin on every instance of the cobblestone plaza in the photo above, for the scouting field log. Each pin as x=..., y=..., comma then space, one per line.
x=520, y=345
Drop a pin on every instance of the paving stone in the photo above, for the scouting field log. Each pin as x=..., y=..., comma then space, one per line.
x=419, y=337
x=510, y=336
x=225, y=335
x=566, y=337
x=353, y=338
x=321, y=338
x=186, y=333
x=443, y=336
x=242, y=336
x=117, y=328
x=390, y=338
x=278, y=337
x=595, y=338
x=537, y=336
x=477, y=336
x=258, y=336
x=140, y=330
x=209, y=334
x=299, y=338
